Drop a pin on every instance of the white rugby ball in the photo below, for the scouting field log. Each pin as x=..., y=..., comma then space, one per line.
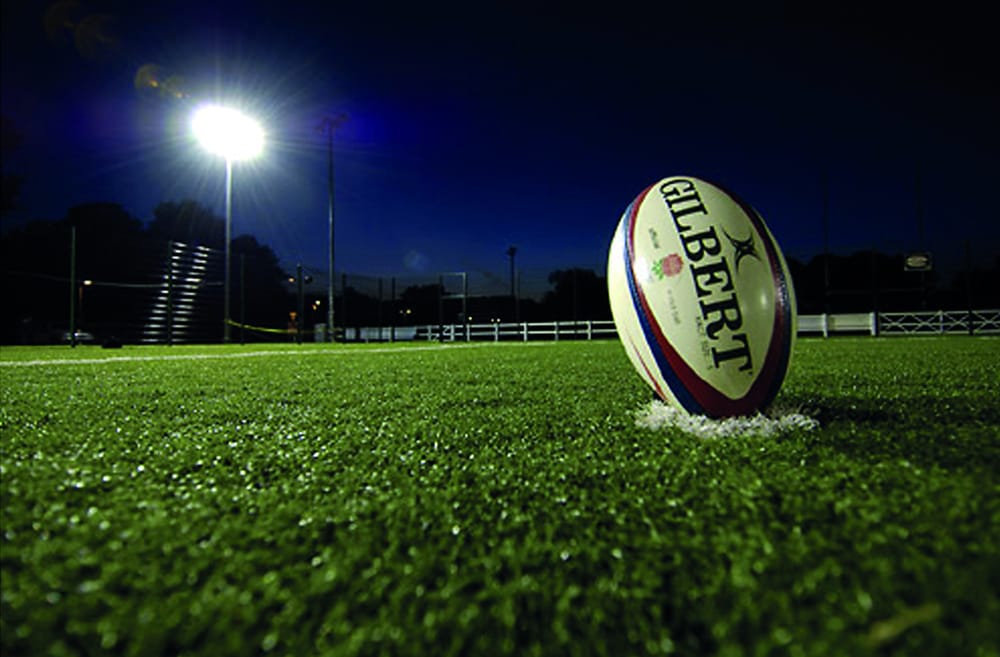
x=702, y=298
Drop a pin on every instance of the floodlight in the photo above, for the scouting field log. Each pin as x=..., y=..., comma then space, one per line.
x=235, y=136
x=228, y=132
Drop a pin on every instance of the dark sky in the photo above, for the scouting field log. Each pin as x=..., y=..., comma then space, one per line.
x=475, y=126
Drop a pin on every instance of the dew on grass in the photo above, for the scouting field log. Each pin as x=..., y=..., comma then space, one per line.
x=89, y=586
x=269, y=642
x=540, y=477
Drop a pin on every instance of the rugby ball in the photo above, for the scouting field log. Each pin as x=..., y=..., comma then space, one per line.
x=702, y=298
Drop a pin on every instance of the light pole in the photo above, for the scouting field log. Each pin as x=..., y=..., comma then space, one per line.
x=235, y=136
x=329, y=124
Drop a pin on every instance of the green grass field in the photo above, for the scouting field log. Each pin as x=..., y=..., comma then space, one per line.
x=493, y=500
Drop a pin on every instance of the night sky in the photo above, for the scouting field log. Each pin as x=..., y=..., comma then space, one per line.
x=477, y=126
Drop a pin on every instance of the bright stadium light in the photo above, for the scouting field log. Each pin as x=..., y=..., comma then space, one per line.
x=235, y=136
x=228, y=132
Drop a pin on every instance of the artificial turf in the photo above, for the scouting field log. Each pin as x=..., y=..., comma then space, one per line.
x=493, y=500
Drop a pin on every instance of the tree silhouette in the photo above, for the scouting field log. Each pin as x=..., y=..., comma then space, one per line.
x=419, y=304
x=189, y=222
x=259, y=293
x=860, y=282
x=577, y=294
x=260, y=283
x=113, y=255
x=120, y=271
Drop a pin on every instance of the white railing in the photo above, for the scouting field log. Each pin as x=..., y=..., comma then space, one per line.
x=940, y=322
x=982, y=322
x=519, y=331
x=494, y=331
x=969, y=322
x=826, y=324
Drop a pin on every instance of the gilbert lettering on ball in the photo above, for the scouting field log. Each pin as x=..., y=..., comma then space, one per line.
x=702, y=298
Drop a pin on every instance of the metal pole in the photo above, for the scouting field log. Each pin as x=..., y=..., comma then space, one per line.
x=330, y=124
x=229, y=222
x=330, y=262
x=72, y=285
x=826, y=245
x=301, y=304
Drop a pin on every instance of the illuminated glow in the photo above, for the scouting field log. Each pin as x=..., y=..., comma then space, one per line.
x=228, y=132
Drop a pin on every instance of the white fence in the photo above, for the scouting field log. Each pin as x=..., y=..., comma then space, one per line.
x=494, y=332
x=939, y=322
x=838, y=323
x=969, y=322
x=976, y=322
x=519, y=331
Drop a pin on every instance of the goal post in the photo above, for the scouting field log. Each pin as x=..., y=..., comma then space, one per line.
x=453, y=286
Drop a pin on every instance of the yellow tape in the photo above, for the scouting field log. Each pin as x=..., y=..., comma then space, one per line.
x=264, y=329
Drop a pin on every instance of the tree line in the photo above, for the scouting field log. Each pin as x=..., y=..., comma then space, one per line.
x=123, y=259
x=120, y=263
x=870, y=280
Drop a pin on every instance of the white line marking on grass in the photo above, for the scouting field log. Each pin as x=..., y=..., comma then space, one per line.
x=254, y=354
x=657, y=415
